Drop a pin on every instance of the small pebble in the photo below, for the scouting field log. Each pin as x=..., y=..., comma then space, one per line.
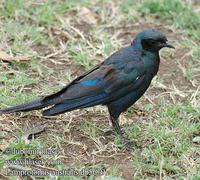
x=2, y=83
x=196, y=139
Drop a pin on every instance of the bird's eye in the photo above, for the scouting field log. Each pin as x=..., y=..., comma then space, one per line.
x=151, y=42
x=148, y=43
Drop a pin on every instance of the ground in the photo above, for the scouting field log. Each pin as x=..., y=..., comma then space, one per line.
x=45, y=44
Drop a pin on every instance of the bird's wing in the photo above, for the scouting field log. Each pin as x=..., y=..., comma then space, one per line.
x=103, y=79
x=85, y=91
x=100, y=86
x=88, y=83
x=91, y=84
x=122, y=68
x=127, y=78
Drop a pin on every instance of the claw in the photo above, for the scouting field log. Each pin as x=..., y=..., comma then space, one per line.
x=108, y=132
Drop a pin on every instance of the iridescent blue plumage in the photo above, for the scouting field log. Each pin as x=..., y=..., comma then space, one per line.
x=91, y=82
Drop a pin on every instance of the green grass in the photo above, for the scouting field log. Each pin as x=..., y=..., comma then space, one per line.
x=17, y=83
x=168, y=141
x=196, y=54
x=82, y=55
x=181, y=16
x=41, y=13
x=90, y=130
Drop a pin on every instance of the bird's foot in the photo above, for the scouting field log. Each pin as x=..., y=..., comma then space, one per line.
x=126, y=143
x=108, y=132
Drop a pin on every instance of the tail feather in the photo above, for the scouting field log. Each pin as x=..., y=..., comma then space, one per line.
x=76, y=104
x=33, y=105
x=59, y=106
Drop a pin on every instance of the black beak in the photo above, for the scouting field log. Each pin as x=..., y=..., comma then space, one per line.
x=168, y=45
x=165, y=44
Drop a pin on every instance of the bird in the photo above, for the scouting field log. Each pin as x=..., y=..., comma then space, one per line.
x=117, y=82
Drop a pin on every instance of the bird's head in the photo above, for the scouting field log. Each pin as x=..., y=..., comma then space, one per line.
x=151, y=40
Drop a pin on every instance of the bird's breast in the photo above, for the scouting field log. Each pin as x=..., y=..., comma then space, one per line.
x=152, y=64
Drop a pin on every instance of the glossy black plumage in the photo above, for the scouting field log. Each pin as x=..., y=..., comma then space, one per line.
x=118, y=82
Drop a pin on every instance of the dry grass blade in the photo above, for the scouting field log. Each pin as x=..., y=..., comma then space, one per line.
x=6, y=57
x=30, y=133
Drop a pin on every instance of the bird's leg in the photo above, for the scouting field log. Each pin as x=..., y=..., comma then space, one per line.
x=116, y=126
x=128, y=143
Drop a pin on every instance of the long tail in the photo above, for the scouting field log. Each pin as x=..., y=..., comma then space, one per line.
x=80, y=103
x=59, y=106
x=33, y=105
